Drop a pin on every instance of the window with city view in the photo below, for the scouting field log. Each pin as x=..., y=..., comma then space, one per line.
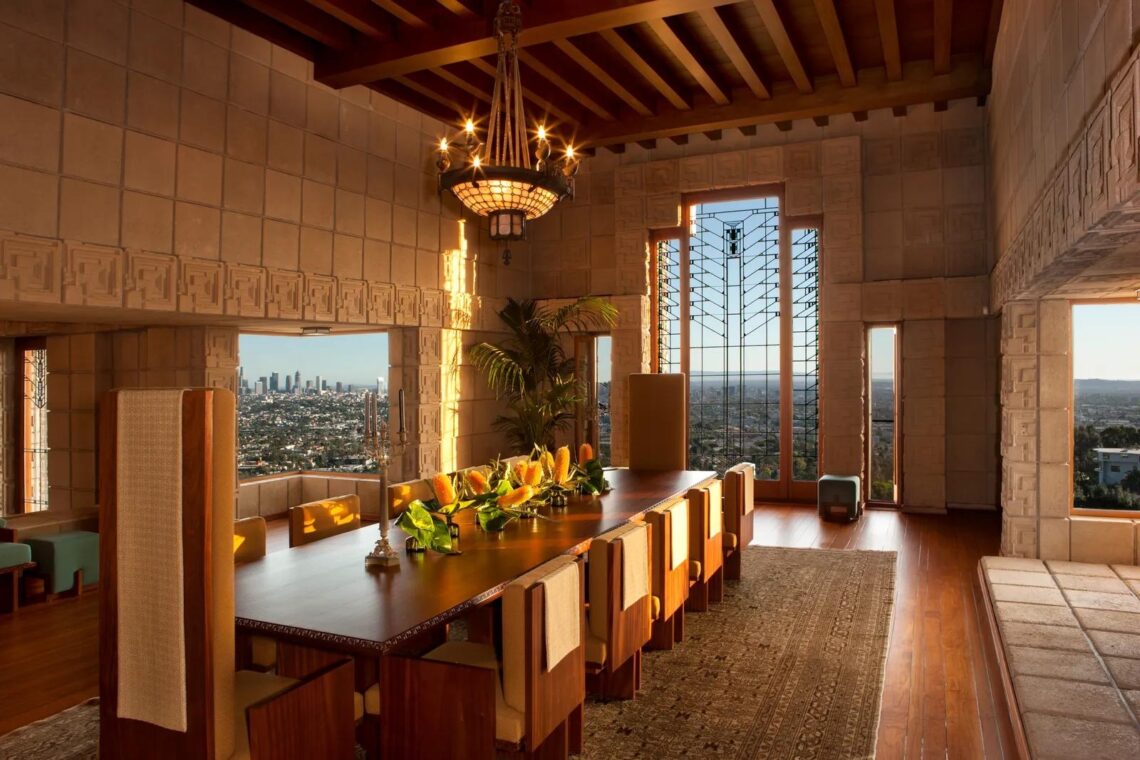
x=301, y=401
x=1106, y=407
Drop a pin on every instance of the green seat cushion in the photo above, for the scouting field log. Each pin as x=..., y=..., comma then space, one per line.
x=14, y=554
x=59, y=555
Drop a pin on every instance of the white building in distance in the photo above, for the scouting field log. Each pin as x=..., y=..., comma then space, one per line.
x=1115, y=464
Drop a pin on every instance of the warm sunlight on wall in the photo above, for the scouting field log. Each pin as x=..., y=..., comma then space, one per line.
x=451, y=351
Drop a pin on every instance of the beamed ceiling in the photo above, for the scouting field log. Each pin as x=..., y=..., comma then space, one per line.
x=611, y=72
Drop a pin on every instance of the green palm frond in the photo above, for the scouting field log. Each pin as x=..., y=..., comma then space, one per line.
x=587, y=313
x=504, y=373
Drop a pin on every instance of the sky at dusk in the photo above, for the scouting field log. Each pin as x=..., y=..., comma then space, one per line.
x=1105, y=341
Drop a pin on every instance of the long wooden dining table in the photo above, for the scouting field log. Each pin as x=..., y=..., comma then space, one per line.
x=322, y=596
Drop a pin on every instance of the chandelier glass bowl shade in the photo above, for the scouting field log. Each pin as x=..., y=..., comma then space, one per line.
x=498, y=179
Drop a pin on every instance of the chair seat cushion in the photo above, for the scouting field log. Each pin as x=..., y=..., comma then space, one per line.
x=730, y=541
x=508, y=721
x=59, y=555
x=694, y=569
x=655, y=606
x=251, y=687
x=372, y=700
x=12, y=555
x=264, y=653
x=595, y=649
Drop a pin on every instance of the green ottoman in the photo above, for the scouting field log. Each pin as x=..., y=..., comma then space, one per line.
x=59, y=555
x=13, y=559
x=839, y=497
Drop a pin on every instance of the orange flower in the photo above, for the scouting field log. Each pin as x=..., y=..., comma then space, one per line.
x=562, y=465
x=547, y=461
x=477, y=482
x=520, y=470
x=585, y=453
x=444, y=490
x=520, y=495
x=533, y=473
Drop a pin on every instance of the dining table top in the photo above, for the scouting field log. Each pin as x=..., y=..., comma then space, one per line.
x=322, y=594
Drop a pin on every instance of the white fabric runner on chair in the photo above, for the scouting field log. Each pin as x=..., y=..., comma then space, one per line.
x=148, y=534
x=634, y=565
x=563, y=613
x=679, y=532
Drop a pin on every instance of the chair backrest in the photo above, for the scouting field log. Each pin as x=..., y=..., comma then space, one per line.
x=544, y=654
x=658, y=422
x=619, y=611
x=321, y=519
x=249, y=539
x=739, y=491
x=670, y=553
x=400, y=495
x=706, y=523
x=166, y=492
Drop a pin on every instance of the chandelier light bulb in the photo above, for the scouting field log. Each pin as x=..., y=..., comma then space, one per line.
x=570, y=152
x=476, y=162
x=541, y=132
x=443, y=144
x=469, y=128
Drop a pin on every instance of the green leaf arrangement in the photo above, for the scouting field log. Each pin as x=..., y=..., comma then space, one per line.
x=424, y=526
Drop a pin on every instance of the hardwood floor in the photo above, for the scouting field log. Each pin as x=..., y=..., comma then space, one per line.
x=936, y=701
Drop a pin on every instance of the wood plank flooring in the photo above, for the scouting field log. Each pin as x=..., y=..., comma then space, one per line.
x=937, y=700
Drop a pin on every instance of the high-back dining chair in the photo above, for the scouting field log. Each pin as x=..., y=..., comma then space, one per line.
x=658, y=422
x=167, y=683
x=706, y=546
x=620, y=613
x=738, y=495
x=249, y=545
x=530, y=702
x=323, y=518
x=669, y=570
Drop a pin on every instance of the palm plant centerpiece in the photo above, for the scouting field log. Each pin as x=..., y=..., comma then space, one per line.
x=532, y=371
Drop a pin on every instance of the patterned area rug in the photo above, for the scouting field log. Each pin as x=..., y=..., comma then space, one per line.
x=789, y=665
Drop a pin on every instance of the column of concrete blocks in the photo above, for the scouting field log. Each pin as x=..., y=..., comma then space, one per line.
x=924, y=413
x=1019, y=429
x=1055, y=419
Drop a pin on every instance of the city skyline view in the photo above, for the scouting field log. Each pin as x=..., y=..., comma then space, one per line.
x=356, y=359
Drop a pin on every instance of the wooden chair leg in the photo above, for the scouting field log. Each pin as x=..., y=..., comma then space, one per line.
x=698, y=600
x=574, y=729
x=679, y=625
x=556, y=746
x=732, y=566
x=10, y=591
x=663, y=633
x=637, y=671
x=716, y=587
x=368, y=734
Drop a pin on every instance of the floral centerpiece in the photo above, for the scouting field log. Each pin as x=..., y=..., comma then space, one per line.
x=501, y=493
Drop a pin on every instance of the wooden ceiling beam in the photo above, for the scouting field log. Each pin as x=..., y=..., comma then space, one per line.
x=456, y=7
x=433, y=93
x=749, y=130
x=530, y=95
x=603, y=76
x=833, y=31
x=461, y=83
x=645, y=69
x=361, y=15
x=258, y=23
x=731, y=48
x=784, y=46
x=306, y=19
x=966, y=79
x=404, y=15
x=562, y=82
x=680, y=139
x=889, y=34
x=687, y=60
x=467, y=39
x=943, y=32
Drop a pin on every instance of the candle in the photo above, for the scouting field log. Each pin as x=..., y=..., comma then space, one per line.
x=401, y=429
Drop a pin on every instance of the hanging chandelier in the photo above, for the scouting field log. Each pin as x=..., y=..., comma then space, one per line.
x=497, y=180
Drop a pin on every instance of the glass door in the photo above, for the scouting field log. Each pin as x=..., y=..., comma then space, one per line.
x=736, y=310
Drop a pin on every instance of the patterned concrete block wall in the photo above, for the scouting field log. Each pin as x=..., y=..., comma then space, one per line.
x=904, y=239
x=157, y=159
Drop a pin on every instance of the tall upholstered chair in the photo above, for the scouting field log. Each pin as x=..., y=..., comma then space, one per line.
x=669, y=571
x=167, y=683
x=738, y=504
x=249, y=545
x=706, y=546
x=400, y=495
x=620, y=612
x=529, y=703
x=658, y=422
x=323, y=518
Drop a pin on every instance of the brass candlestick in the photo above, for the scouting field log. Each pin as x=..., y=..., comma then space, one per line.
x=380, y=447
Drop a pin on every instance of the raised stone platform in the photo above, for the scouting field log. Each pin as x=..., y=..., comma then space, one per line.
x=1067, y=638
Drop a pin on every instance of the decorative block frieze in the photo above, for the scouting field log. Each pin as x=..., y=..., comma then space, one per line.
x=30, y=269
x=245, y=291
x=286, y=295
x=695, y=173
x=381, y=303
x=662, y=210
x=320, y=298
x=730, y=169
x=431, y=308
x=802, y=160
x=151, y=281
x=221, y=347
x=200, y=286
x=92, y=275
x=766, y=164
x=352, y=301
x=662, y=177
x=407, y=305
x=841, y=155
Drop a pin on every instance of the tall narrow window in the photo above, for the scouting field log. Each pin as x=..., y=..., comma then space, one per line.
x=603, y=360
x=1106, y=407
x=805, y=353
x=882, y=430
x=667, y=303
x=33, y=422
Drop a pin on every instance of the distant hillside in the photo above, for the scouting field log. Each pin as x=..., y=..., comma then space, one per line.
x=1108, y=387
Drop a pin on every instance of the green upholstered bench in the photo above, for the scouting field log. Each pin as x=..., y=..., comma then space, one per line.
x=61, y=555
x=14, y=558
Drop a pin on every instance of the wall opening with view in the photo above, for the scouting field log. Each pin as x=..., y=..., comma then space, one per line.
x=882, y=427
x=1106, y=406
x=301, y=401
